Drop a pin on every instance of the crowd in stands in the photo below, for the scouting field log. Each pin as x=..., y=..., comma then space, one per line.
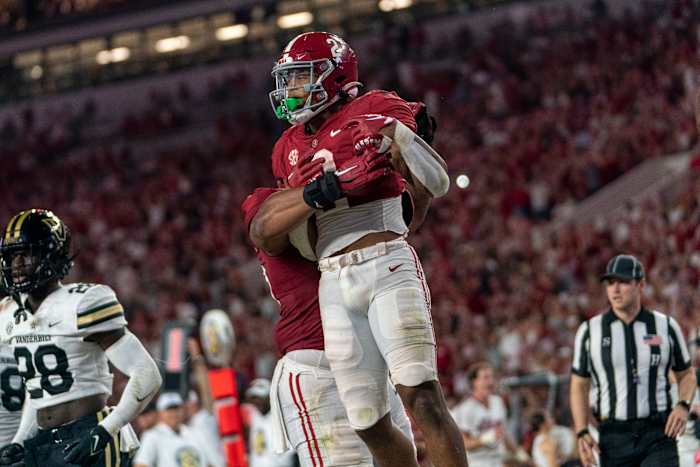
x=539, y=118
x=19, y=15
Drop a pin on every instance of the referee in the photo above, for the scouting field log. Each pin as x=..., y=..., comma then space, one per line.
x=628, y=352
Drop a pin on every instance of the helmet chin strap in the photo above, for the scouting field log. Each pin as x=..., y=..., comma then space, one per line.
x=21, y=312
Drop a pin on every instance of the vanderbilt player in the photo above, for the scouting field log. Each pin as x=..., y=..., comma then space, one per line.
x=62, y=337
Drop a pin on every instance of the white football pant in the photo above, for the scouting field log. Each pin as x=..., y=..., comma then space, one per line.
x=311, y=419
x=375, y=308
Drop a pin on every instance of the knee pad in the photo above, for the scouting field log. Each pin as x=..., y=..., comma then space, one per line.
x=364, y=397
x=346, y=448
x=402, y=317
x=413, y=365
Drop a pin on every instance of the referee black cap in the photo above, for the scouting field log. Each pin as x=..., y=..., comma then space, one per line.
x=625, y=267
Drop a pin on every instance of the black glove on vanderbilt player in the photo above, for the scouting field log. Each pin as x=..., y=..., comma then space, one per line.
x=86, y=450
x=12, y=455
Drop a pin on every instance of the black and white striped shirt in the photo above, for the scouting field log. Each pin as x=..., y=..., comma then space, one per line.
x=629, y=363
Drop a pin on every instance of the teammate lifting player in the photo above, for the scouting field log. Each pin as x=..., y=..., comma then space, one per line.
x=375, y=304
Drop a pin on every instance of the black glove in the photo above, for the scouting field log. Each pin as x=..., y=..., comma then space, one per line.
x=323, y=192
x=426, y=125
x=12, y=455
x=85, y=451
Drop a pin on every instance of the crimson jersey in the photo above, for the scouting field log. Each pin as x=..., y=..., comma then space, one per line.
x=295, y=144
x=293, y=283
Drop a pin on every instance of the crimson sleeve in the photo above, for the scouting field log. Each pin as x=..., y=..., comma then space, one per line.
x=391, y=105
x=280, y=166
x=251, y=205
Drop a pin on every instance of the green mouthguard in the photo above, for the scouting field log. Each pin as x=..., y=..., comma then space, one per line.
x=290, y=104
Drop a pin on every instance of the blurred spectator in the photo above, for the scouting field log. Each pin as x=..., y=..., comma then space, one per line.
x=199, y=411
x=482, y=419
x=170, y=443
x=147, y=419
x=554, y=445
x=259, y=430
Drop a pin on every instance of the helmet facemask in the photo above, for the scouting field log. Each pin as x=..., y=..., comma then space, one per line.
x=298, y=109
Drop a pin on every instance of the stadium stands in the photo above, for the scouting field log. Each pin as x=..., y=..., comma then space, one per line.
x=21, y=15
x=539, y=119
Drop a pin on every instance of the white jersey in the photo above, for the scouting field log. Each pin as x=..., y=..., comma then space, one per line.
x=342, y=226
x=163, y=447
x=476, y=419
x=564, y=440
x=11, y=395
x=57, y=365
x=260, y=448
x=206, y=427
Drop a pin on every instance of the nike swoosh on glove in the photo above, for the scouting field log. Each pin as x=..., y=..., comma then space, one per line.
x=359, y=172
x=12, y=455
x=85, y=451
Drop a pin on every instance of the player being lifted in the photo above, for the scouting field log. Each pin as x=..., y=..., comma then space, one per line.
x=62, y=337
x=375, y=304
x=304, y=396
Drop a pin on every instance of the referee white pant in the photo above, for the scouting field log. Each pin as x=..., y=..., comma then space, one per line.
x=309, y=417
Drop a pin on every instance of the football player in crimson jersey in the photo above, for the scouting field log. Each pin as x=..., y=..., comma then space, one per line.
x=374, y=301
x=62, y=337
x=306, y=409
x=302, y=375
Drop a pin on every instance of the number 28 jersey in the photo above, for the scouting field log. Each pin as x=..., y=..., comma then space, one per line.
x=53, y=358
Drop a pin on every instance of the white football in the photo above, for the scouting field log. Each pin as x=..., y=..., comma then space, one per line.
x=217, y=337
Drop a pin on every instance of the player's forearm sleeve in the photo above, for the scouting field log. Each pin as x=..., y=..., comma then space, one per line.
x=422, y=160
x=130, y=357
x=27, y=425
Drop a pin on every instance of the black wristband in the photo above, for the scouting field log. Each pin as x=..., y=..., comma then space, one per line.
x=582, y=433
x=685, y=405
x=323, y=192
